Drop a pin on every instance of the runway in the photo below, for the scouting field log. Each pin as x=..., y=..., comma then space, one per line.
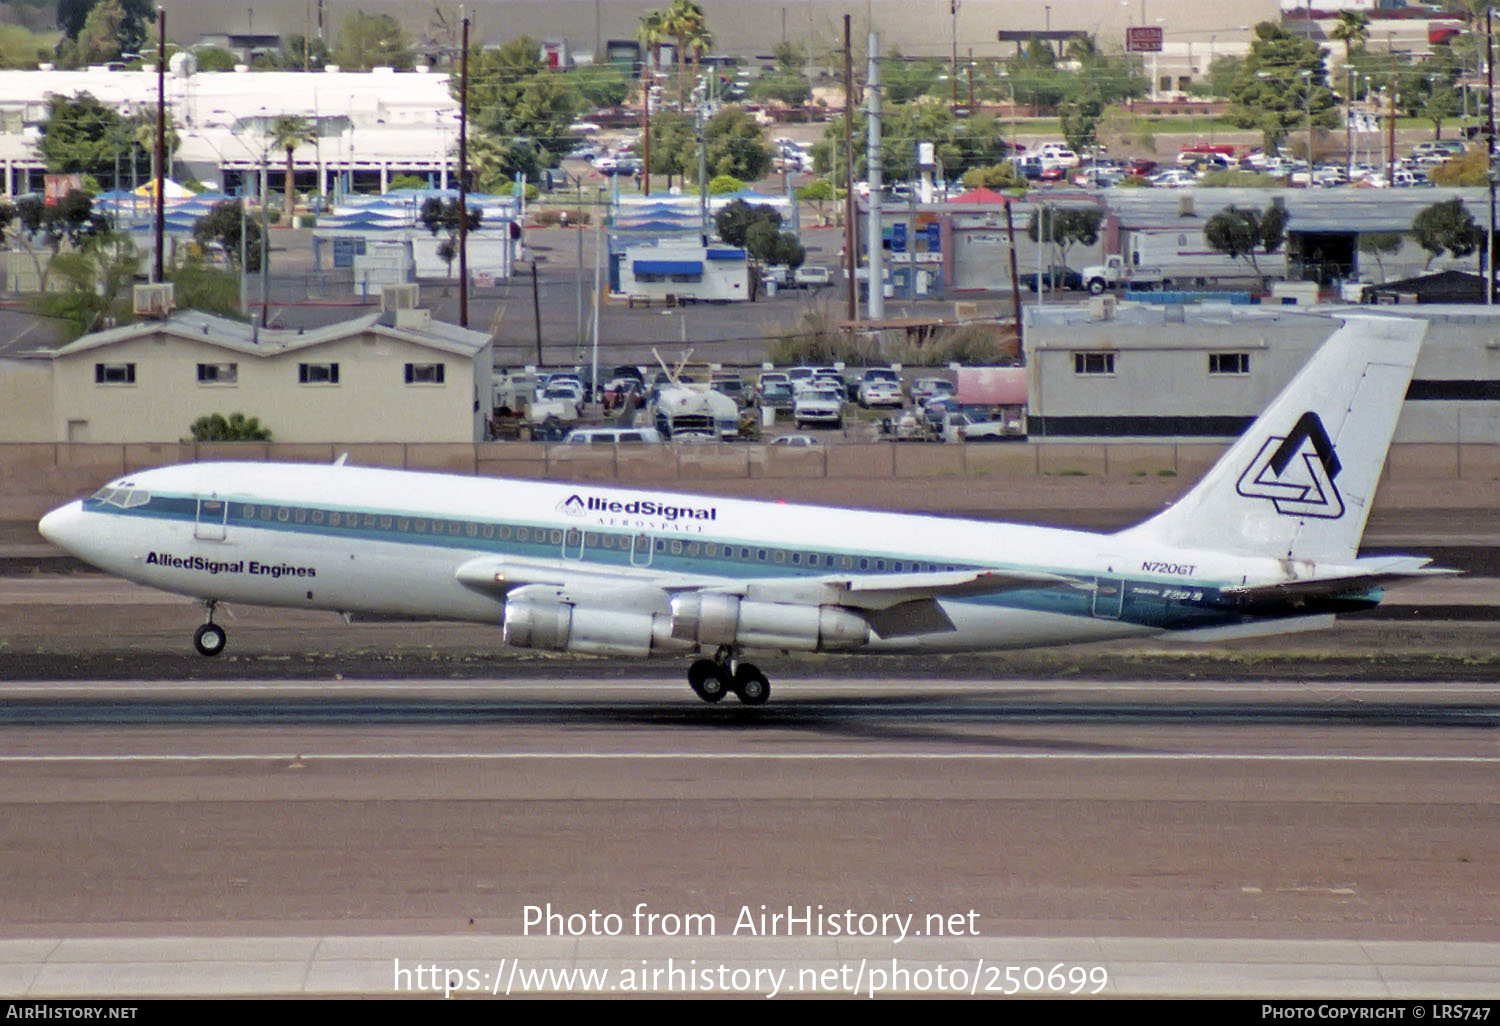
x=1215, y=838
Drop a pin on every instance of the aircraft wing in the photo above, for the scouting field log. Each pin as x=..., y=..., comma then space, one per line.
x=1337, y=579
x=895, y=605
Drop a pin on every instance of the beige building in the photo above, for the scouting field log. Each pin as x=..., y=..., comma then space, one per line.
x=392, y=377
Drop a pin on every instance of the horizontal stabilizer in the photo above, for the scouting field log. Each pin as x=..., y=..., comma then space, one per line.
x=1340, y=579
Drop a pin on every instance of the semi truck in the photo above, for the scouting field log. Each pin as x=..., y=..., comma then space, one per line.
x=1155, y=258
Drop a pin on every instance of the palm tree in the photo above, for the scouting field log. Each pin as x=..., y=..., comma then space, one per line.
x=652, y=34
x=287, y=133
x=684, y=20
x=1352, y=30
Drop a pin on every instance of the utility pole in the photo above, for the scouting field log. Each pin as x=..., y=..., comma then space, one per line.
x=1489, y=147
x=646, y=137
x=157, y=274
x=875, y=304
x=463, y=176
x=851, y=230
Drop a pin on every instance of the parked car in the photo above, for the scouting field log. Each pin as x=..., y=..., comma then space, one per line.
x=777, y=395
x=796, y=441
x=613, y=436
x=731, y=385
x=881, y=392
x=1056, y=277
x=924, y=389
x=819, y=406
x=812, y=277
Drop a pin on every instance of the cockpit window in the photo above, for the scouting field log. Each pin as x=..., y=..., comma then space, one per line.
x=124, y=498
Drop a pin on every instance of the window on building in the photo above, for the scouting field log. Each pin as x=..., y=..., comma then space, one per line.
x=1229, y=363
x=318, y=373
x=424, y=374
x=114, y=373
x=1093, y=363
x=218, y=373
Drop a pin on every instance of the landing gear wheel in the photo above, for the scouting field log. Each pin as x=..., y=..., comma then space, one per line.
x=210, y=639
x=751, y=685
x=706, y=679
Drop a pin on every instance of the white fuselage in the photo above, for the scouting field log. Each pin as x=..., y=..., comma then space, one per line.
x=383, y=541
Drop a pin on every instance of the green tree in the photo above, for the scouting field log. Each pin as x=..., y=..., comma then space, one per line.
x=22, y=48
x=287, y=133
x=521, y=106
x=686, y=24
x=130, y=28
x=443, y=215
x=1446, y=226
x=818, y=193
x=95, y=284
x=600, y=85
x=237, y=427
x=723, y=185
x=1352, y=30
x=1431, y=91
x=1281, y=87
x=81, y=134
x=673, y=145
x=372, y=40
x=995, y=176
x=70, y=222
x=215, y=58
x=197, y=286
x=222, y=226
x=1080, y=121
x=736, y=145
x=1062, y=227
x=1241, y=231
x=1380, y=244
x=785, y=82
x=903, y=80
x=757, y=230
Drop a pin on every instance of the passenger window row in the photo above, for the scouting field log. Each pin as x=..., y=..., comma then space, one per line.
x=252, y=514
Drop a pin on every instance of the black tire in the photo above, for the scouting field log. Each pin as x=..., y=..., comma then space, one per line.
x=751, y=685
x=210, y=639
x=1096, y=286
x=706, y=678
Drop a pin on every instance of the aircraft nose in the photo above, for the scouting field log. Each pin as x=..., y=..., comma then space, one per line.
x=55, y=525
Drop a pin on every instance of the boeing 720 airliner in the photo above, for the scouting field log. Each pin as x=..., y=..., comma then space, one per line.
x=1265, y=543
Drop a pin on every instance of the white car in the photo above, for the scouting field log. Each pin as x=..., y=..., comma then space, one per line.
x=796, y=441
x=880, y=392
x=819, y=406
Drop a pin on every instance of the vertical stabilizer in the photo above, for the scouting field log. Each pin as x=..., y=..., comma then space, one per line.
x=1299, y=482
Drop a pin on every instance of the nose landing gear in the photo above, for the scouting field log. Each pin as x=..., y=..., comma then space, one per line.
x=711, y=679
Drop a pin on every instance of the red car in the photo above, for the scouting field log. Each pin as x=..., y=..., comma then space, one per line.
x=1057, y=173
x=1140, y=166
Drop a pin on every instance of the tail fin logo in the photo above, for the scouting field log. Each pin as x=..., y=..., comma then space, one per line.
x=1297, y=472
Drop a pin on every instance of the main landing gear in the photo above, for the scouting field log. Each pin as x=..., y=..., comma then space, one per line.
x=712, y=679
x=210, y=639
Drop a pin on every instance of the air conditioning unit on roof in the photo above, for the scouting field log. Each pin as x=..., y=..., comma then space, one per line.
x=154, y=300
x=398, y=297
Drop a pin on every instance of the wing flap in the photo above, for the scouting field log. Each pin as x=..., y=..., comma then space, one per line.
x=883, y=591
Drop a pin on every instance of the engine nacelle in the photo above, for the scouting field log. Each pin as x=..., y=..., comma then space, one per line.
x=728, y=620
x=563, y=627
